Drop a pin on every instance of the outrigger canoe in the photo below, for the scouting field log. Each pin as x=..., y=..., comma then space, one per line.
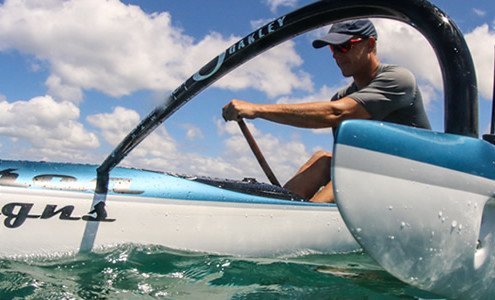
x=424, y=208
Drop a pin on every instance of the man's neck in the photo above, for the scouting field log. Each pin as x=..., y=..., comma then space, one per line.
x=363, y=79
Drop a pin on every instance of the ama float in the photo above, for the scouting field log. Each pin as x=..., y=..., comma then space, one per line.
x=425, y=213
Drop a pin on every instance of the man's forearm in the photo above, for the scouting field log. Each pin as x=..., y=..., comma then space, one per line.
x=306, y=115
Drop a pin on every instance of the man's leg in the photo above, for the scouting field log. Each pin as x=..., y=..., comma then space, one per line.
x=314, y=174
x=325, y=194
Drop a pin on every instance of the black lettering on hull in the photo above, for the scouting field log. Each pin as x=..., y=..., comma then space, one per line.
x=16, y=213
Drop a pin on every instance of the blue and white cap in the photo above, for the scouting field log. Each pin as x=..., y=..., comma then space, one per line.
x=341, y=32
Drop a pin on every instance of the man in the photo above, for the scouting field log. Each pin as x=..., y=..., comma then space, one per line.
x=379, y=92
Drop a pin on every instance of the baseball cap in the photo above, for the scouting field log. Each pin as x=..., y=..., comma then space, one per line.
x=341, y=32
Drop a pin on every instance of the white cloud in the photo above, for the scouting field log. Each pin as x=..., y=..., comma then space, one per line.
x=480, y=42
x=63, y=92
x=479, y=12
x=193, y=132
x=401, y=44
x=118, y=49
x=271, y=72
x=429, y=94
x=114, y=126
x=275, y=4
x=159, y=150
x=92, y=44
x=50, y=127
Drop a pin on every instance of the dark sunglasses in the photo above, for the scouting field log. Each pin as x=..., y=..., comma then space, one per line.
x=345, y=47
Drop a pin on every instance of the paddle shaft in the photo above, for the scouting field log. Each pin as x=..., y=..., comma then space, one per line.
x=257, y=152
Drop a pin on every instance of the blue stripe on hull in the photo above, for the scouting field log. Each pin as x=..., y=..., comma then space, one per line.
x=455, y=152
x=124, y=181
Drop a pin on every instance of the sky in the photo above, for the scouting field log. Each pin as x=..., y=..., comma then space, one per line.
x=77, y=75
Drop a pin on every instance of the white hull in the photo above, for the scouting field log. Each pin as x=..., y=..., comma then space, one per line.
x=206, y=226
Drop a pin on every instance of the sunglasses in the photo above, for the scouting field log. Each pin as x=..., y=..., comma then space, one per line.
x=345, y=47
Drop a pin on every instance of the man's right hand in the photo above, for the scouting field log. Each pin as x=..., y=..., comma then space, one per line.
x=238, y=109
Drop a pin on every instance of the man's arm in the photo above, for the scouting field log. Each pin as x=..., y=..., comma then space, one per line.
x=307, y=115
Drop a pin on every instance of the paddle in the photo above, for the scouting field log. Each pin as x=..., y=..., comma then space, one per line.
x=257, y=153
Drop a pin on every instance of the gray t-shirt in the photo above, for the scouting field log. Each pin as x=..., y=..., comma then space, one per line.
x=392, y=96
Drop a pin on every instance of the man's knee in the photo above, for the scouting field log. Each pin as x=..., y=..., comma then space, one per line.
x=322, y=155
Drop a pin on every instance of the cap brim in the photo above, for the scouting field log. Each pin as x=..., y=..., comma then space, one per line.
x=331, y=38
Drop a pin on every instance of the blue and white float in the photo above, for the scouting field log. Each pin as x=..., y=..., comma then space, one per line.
x=421, y=203
x=426, y=213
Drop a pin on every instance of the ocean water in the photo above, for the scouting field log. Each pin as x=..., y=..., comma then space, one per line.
x=137, y=272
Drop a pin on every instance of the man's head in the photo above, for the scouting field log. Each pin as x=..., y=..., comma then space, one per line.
x=342, y=32
x=353, y=44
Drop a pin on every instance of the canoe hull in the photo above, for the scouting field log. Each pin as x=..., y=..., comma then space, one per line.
x=54, y=217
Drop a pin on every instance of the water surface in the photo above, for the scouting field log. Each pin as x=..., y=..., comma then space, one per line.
x=137, y=272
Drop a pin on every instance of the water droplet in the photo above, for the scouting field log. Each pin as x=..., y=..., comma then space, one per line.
x=402, y=225
x=390, y=207
x=420, y=259
x=391, y=237
x=432, y=233
x=358, y=229
x=440, y=214
x=454, y=224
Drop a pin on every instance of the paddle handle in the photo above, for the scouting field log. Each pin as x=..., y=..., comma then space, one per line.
x=257, y=152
